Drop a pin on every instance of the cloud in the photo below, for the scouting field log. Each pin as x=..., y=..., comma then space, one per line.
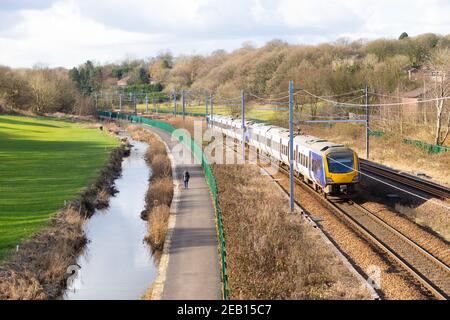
x=68, y=32
x=25, y=4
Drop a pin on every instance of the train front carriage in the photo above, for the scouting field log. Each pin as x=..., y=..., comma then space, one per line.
x=342, y=170
x=333, y=169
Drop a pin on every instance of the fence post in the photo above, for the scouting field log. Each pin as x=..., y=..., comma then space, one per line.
x=146, y=103
x=120, y=103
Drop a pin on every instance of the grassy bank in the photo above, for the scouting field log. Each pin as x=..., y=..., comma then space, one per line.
x=259, y=112
x=42, y=164
x=160, y=193
x=272, y=254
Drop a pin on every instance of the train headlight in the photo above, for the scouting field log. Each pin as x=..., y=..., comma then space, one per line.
x=356, y=178
x=329, y=180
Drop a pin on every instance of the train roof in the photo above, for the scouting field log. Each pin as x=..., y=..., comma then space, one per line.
x=317, y=144
x=314, y=143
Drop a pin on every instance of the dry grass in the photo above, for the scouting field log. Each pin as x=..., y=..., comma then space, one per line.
x=187, y=124
x=160, y=166
x=111, y=127
x=429, y=215
x=157, y=226
x=160, y=193
x=37, y=271
x=271, y=253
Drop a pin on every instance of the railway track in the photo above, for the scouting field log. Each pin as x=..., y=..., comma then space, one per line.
x=411, y=181
x=430, y=272
x=433, y=274
x=423, y=266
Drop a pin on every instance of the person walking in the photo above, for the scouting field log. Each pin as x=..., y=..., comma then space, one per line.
x=186, y=177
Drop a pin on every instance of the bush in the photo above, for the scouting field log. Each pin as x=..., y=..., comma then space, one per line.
x=157, y=226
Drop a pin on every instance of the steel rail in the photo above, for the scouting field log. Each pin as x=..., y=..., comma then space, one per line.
x=417, y=183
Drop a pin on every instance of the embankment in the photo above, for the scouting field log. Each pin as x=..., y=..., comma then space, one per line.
x=160, y=193
x=271, y=253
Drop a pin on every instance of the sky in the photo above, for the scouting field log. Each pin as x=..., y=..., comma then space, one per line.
x=68, y=32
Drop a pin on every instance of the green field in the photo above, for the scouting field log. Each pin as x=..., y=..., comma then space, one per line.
x=263, y=113
x=42, y=163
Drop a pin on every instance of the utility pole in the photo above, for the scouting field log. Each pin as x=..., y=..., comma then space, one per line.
x=175, y=102
x=243, y=124
x=134, y=102
x=183, y=99
x=366, y=93
x=96, y=102
x=120, y=103
x=291, y=144
x=146, y=103
x=211, y=102
x=206, y=105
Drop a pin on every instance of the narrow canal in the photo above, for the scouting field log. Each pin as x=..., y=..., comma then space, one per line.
x=116, y=263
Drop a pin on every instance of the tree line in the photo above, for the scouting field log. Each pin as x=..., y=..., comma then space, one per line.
x=385, y=65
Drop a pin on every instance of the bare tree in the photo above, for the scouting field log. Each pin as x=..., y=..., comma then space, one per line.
x=440, y=83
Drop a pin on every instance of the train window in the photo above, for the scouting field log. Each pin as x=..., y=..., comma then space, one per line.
x=316, y=165
x=340, y=162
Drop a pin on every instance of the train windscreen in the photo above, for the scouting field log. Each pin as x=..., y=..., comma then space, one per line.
x=340, y=162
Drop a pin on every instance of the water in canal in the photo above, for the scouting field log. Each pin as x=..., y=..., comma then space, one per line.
x=116, y=263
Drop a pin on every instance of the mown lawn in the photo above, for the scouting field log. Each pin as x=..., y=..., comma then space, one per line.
x=263, y=113
x=42, y=163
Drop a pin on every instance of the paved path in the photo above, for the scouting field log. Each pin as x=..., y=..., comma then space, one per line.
x=193, y=271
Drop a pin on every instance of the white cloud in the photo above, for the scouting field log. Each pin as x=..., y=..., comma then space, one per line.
x=60, y=35
x=68, y=32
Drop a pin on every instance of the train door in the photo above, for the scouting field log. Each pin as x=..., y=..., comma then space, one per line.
x=317, y=169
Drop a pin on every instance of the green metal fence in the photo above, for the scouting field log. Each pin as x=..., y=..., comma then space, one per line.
x=431, y=148
x=209, y=175
x=377, y=133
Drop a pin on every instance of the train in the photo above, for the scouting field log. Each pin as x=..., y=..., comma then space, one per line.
x=331, y=169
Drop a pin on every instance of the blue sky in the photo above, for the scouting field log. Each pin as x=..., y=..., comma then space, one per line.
x=68, y=32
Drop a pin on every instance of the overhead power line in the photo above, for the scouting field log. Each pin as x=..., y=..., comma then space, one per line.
x=374, y=105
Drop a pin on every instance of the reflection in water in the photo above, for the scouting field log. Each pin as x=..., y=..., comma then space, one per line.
x=117, y=264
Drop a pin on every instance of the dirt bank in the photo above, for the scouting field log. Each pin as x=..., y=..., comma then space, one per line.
x=271, y=253
x=38, y=269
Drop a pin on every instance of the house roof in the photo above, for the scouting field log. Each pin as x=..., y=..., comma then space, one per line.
x=123, y=82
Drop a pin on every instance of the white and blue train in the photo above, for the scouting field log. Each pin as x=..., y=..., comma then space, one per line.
x=332, y=169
